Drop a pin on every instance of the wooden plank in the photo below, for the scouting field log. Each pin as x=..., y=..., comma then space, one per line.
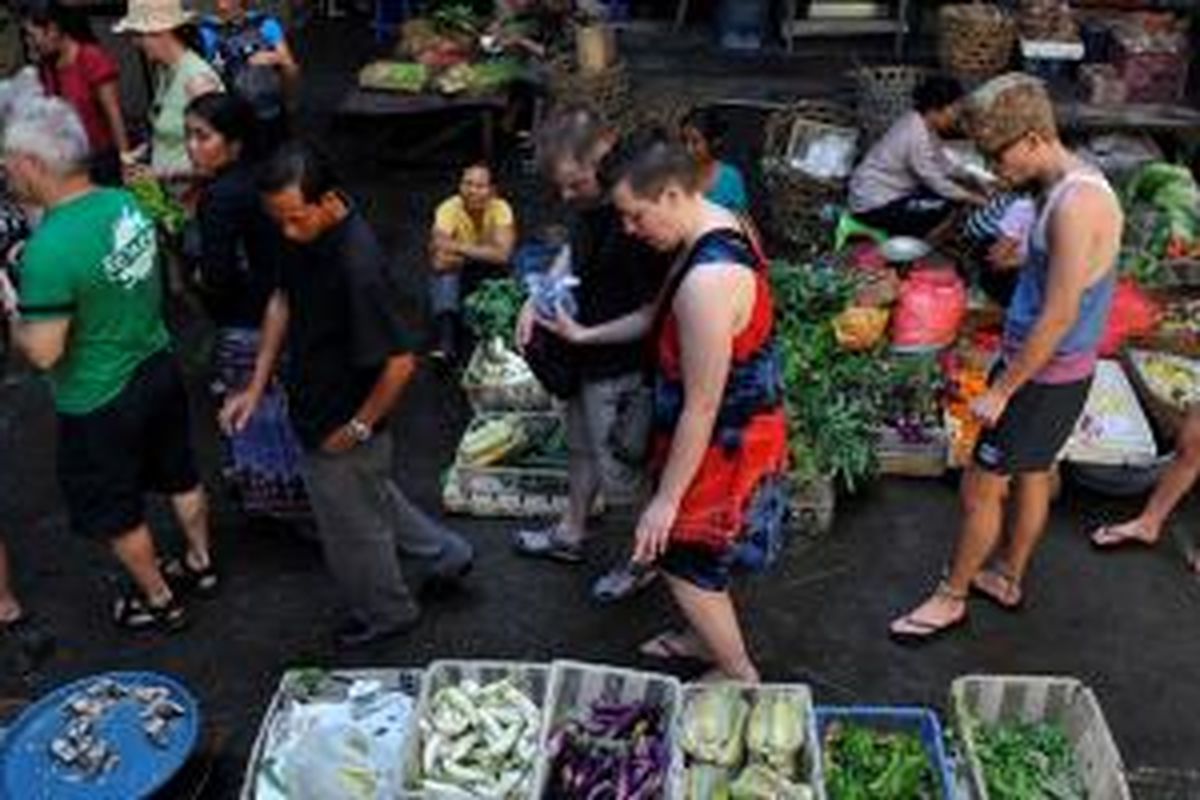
x=1160, y=117
x=842, y=27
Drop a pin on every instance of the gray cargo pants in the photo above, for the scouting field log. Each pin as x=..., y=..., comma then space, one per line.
x=364, y=522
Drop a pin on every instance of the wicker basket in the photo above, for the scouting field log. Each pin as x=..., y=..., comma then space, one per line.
x=798, y=201
x=975, y=40
x=883, y=94
x=608, y=93
x=1166, y=415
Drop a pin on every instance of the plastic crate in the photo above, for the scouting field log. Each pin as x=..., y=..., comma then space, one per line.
x=531, y=678
x=912, y=459
x=811, y=767
x=500, y=490
x=574, y=686
x=1064, y=701
x=292, y=684
x=901, y=719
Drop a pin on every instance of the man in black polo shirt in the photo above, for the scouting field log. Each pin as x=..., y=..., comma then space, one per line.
x=349, y=360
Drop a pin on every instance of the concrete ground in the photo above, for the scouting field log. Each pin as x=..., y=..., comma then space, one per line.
x=1125, y=623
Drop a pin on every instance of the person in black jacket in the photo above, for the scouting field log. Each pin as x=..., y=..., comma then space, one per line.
x=235, y=249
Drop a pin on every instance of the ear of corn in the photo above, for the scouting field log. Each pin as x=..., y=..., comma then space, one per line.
x=713, y=726
x=775, y=731
x=706, y=782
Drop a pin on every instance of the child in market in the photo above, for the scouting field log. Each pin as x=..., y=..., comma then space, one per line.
x=474, y=229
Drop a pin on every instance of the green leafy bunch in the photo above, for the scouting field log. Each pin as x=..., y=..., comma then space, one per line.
x=866, y=764
x=832, y=395
x=1028, y=760
x=492, y=309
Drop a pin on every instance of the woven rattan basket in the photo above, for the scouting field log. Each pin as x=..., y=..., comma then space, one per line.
x=975, y=40
x=883, y=94
x=607, y=93
x=798, y=201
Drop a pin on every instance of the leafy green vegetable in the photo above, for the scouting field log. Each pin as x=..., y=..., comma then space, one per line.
x=866, y=764
x=492, y=309
x=158, y=205
x=1024, y=761
x=832, y=395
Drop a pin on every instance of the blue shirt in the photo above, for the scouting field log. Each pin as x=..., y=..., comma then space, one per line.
x=226, y=45
x=729, y=190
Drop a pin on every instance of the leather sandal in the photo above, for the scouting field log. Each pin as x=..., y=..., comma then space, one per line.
x=923, y=631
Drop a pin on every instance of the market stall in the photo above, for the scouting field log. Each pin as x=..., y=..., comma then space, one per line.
x=466, y=729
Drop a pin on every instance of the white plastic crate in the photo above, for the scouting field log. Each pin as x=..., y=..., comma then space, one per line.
x=810, y=767
x=530, y=678
x=574, y=686
x=1066, y=702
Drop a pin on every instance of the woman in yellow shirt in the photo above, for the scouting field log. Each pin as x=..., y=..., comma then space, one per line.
x=475, y=227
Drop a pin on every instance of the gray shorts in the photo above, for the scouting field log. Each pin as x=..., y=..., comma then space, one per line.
x=591, y=415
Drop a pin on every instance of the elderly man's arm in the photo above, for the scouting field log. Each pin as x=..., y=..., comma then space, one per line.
x=43, y=342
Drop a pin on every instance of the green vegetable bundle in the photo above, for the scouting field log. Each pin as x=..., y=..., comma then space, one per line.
x=1025, y=761
x=158, y=205
x=492, y=309
x=866, y=764
x=833, y=395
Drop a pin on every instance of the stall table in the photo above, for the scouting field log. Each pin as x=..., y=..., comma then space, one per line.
x=1151, y=118
x=397, y=108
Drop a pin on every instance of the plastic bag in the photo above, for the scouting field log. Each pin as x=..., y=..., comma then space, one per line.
x=1133, y=314
x=335, y=760
x=931, y=308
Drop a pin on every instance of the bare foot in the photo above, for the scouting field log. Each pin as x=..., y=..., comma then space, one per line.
x=747, y=675
x=1133, y=532
x=999, y=587
x=945, y=609
x=676, y=644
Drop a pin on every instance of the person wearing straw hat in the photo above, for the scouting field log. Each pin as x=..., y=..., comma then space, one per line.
x=182, y=75
x=1052, y=332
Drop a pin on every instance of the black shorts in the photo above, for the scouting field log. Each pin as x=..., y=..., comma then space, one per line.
x=138, y=442
x=1036, y=424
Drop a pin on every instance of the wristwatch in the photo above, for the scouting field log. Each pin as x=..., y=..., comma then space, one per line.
x=359, y=430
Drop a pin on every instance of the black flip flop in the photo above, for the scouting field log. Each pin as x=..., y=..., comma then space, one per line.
x=668, y=652
x=926, y=632
x=546, y=544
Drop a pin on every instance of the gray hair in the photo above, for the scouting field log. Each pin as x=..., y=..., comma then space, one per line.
x=48, y=129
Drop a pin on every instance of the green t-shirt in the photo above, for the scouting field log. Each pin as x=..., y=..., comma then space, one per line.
x=94, y=259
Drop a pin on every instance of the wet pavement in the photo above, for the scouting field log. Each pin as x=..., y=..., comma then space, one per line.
x=1126, y=623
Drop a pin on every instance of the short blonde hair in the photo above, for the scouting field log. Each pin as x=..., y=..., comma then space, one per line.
x=1006, y=108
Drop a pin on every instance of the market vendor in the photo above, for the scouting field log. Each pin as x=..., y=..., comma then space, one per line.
x=1049, y=351
x=703, y=133
x=905, y=185
x=475, y=229
x=1146, y=529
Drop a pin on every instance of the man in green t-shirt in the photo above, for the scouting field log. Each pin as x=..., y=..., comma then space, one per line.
x=89, y=314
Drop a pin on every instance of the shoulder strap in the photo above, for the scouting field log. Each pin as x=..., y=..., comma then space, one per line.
x=687, y=260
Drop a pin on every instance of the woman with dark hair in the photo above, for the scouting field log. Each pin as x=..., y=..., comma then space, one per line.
x=235, y=249
x=720, y=446
x=73, y=66
x=905, y=184
x=703, y=133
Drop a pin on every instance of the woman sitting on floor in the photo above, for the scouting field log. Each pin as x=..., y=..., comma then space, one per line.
x=905, y=185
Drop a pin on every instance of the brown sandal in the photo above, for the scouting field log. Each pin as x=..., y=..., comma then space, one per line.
x=1012, y=598
x=923, y=631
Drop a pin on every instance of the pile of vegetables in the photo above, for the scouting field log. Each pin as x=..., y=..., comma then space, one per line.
x=910, y=403
x=722, y=736
x=1028, y=760
x=515, y=440
x=162, y=209
x=613, y=751
x=1173, y=378
x=394, y=76
x=495, y=364
x=862, y=763
x=479, y=741
x=1162, y=206
x=492, y=309
x=832, y=395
